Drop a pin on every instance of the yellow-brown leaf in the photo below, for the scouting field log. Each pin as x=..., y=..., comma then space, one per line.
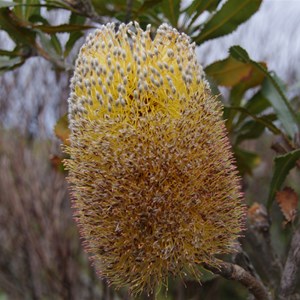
x=288, y=201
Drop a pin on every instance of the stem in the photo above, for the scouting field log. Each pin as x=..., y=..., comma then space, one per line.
x=291, y=268
x=259, y=239
x=234, y=272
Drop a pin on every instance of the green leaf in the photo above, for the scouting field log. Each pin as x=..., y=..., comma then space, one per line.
x=284, y=114
x=262, y=120
x=18, y=33
x=195, y=9
x=74, y=37
x=238, y=75
x=273, y=90
x=283, y=165
x=56, y=44
x=228, y=72
x=76, y=19
x=147, y=4
x=26, y=9
x=9, y=53
x=115, y=6
x=199, y=6
x=250, y=130
x=227, y=19
x=53, y=39
x=239, y=54
x=254, y=78
x=246, y=161
x=58, y=4
x=257, y=104
x=61, y=28
x=51, y=51
x=254, y=128
x=171, y=9
x=8, y=63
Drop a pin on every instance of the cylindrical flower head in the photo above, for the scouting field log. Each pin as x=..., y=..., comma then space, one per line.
x=154, y=188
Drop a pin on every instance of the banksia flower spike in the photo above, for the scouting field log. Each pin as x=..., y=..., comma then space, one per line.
x=154, y=188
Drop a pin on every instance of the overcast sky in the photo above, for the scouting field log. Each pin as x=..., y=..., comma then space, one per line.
x=272, y=35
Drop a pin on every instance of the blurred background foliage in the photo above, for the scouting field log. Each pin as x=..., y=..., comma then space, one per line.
x=40, y=253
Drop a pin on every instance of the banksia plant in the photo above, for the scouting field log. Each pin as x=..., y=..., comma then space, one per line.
x=154, y=188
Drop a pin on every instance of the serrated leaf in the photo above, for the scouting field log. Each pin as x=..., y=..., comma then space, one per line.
x=227, y=19
x=288, y=202
x=62, y=130
x=254, y=78
x=228, y=72
x=283, y=165
x=240, y=54
x=273, y=90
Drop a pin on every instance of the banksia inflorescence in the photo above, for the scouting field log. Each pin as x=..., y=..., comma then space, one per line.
x=154, y=188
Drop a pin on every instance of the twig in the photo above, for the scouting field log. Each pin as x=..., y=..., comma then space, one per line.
x=85, y=8
x=259, y=238
x=291, y=269
x=237, y=273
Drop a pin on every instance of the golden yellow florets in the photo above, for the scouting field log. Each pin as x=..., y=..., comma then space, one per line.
x=154, y=188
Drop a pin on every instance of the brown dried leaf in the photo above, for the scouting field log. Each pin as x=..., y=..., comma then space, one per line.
x=288, y=201
x=62, y=130
x=57, y=162
x=258, y=217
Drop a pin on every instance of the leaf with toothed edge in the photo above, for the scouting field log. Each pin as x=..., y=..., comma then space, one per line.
x=283, y=165
x=227, y=19
x=273, y=90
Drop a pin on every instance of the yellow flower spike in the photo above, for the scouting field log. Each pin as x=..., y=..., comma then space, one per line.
x=154, y=188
